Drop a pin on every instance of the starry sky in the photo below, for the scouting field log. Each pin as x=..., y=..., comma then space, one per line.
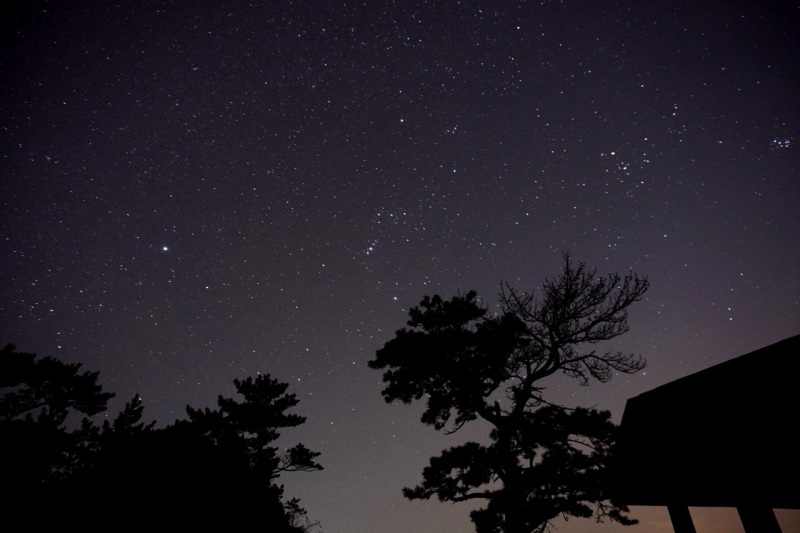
x=194, y=192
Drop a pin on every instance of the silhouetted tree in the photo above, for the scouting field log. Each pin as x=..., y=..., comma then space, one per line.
x=542, y=460
x=249, y=428
x=37, y=446
x=217, y=468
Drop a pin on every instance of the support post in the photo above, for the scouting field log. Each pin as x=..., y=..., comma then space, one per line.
x=681, y=519
x=758, y=519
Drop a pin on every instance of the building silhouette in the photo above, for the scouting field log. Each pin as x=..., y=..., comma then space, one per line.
x=723, y=437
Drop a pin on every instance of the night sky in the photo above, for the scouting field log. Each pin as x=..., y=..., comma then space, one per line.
x=194, y=192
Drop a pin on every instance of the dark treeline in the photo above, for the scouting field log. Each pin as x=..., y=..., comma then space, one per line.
x=218, y=466
x=538, y=462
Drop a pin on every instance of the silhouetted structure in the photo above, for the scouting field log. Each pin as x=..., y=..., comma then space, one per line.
x=722, y=437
